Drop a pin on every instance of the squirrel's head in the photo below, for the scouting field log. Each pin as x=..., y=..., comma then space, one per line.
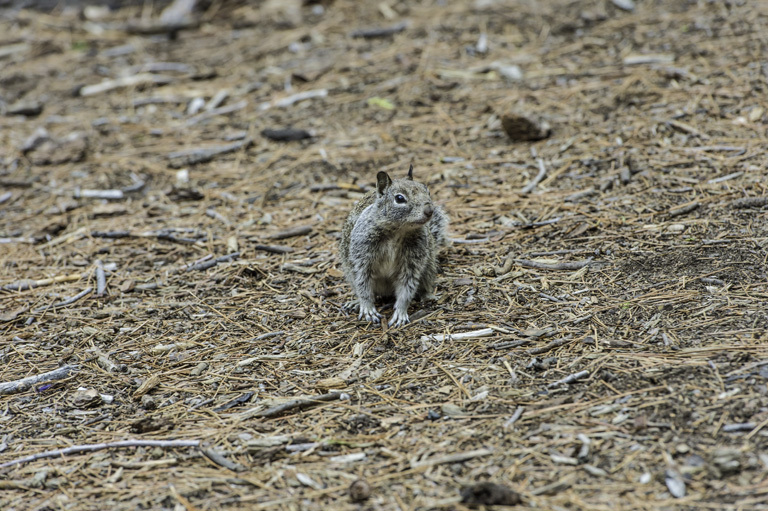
x=404, y=201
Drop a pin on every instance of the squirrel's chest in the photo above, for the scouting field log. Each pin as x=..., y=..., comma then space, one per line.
x=387, y=257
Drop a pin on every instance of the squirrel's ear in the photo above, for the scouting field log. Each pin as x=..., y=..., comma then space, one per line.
x=382, y=181
x=410, y=172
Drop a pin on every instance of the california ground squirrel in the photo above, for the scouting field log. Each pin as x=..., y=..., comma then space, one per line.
x=389, y=246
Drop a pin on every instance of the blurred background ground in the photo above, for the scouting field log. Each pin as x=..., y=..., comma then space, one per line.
x=133, y=147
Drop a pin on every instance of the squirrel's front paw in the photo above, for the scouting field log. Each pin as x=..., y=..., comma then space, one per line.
x=399, y=319
x=369, y=313
x=352, y=305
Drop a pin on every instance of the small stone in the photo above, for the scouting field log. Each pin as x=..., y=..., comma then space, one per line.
x=26, y=108
x=520, y=127
x=489, y=494
x=199, y=369
x=624, y=5
x=675, y=483
x=148, y=402
x=682, y=448
x=359, y=490
x=86, y=398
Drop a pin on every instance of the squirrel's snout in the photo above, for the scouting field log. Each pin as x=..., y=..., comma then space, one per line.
x=428, y=211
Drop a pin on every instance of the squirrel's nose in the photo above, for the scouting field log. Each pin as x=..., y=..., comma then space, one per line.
x=428, y=210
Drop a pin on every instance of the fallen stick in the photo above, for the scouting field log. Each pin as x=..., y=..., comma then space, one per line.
x=375, y=33
x=536, y=180
x=99, y=447
x=221, y=461
x=24, y=285
x=222, y=110
x=68, y=301
x=194, y=156
x=98, y=194
x=548, y=347
x=297, y=404
x=576, y=265
x=451, y=458
x=570, y=378
x=749, y=202
x=101, y=279
x=213, y=262
x=275, y=249
x=14, y=387
x=127, y=81
x=683, y=210
x=290, y=233
x=515, y=416
x=457, y=337
x=295, y=98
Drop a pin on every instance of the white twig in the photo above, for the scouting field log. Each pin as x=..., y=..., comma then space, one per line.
x=457, y=337
x=569, y=379
x=288, y=101
x=14, y=387
x=451, y=458
x=515, y=416
x=98, y=447
x=536, y=180
x=126, y=81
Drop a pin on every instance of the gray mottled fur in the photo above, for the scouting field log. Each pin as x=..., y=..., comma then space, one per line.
x=390, y=249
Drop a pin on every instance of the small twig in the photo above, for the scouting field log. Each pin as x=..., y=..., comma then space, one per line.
x=542, y=223
x=213, y=262
x=536, y=180
x=375, y=33
x=575, y=265
x=220, y=460
x=570, y=378
x=275, y=249
x=111, y=234
x=194, y=156
x=14, y=387
x=126, y=81
x=457, y=337
x=222, y=110
x=552, y=345
x=23, y=285
x=98, y=194
x=734, y=428
x=98, y=447
x=68, y=301
x=295, y=98
x=515, y=416
x=575, y=197
x=101, y=279
x=749, y=202
x=683, y=210
x=296, y=404
x=451, y=458
x=290, y=233
x=509, y=344
x=724, y=178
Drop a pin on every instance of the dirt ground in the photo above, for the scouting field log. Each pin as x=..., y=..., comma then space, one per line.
x=616, y=309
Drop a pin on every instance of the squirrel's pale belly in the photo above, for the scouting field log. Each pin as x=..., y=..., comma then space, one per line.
x=385, y=269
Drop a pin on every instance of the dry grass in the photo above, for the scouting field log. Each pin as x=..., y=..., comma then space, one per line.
x=668, y=319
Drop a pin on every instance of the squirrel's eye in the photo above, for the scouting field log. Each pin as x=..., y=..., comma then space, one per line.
x=400, y=198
